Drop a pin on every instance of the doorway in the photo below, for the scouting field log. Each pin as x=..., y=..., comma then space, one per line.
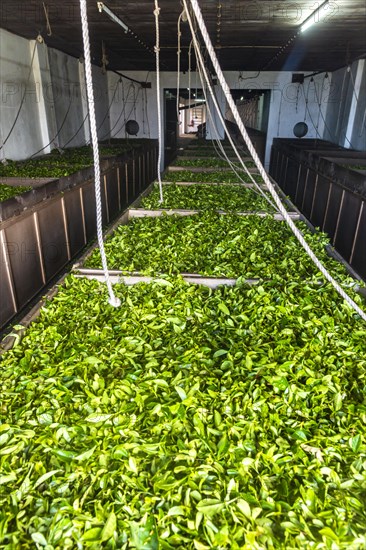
x=192, y=118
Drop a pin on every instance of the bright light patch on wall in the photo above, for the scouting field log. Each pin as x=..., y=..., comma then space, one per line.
x=315, y=17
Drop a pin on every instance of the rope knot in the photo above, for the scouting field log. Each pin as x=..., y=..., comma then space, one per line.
x=156, y=49
x=157, y=12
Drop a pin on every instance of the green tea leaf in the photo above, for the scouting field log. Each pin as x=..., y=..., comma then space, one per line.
x=180, y=391
x=94, y=534
x=176, y=511
x=38, y=538
x=209, y=507
x=144, y=534
x=223, y=446
x=133, y=465
x=7, y=479
x=300, y=434
x=96, y=418
x=109, y=527
x=244, y=507
x=220, y=352
x=44, y=478
x=86, y=455
x=223, y=308
x=329, y=534
x=355, y=443
x=338, y=401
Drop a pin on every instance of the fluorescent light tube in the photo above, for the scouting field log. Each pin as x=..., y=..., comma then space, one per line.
x=112, y=16
x=315, y=17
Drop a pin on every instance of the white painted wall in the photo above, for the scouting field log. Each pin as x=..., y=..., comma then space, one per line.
x=346, y=113
x=358, y=136
x=47, y=120
x=339, y=106
x=215, y=128
x=54, y=105
x=129, y=101
x=102, y=102
x=65, y=100
x=288, y=101
x=15, y=61
x=56, y=87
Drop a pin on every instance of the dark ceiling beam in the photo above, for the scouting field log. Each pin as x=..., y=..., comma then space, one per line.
x=249, y=33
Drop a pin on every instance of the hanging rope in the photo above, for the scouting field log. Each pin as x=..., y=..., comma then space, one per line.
x=189, y=77
x=306, y=98
x=220, y=151
x=223, y=155
x=113, y=300
x=297, y=98
x=109, y=134
x=307, y=110
x=147, y=113
x=77, y=131
x=144, y=99
x=196, y=92
x=203, y=70
x=126, y=117
x=122, y=113
x=58, y=132
x=157, y=51
x=259, y=165
x=178, y=66
x=134, y=101
x=110, y=105
x=46, y=12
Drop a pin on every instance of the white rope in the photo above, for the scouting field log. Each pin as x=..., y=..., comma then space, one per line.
x=46, y=12
x=113, y=300
x=189, y=77
x=202, y=65
x=178, y=65
x=196, y=87
x=221, y=153
x=235, y=168
x=157, y=51
x=260, y=167
x=217, y=139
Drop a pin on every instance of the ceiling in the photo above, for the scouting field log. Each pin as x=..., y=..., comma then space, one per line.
x=249, y=35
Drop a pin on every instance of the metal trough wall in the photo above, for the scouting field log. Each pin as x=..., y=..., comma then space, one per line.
x=329, y=194
x=43, y=230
